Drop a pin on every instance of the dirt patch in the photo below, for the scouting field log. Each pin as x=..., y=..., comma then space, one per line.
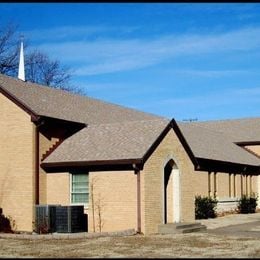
x=154, y=246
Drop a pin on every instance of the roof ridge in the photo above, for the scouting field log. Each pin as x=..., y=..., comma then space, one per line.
x=227, y=120
x=132, y=121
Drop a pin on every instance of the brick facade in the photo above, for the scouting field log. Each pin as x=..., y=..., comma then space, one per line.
x=17, y=157
x=116, y=197
x=152, y=195
x=114, y=193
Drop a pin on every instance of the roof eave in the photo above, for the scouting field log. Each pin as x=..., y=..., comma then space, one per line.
x=101, y=165
x=244, y=143
x=19, y=103
x=228, y=167
x=35, y=117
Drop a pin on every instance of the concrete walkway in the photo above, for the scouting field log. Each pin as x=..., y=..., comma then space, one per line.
x=228, y=220
x=245, y=225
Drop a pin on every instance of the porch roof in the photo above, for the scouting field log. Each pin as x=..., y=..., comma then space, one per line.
x=212, y=144
x=243, y=130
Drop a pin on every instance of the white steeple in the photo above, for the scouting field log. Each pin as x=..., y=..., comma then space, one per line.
x=21, y=72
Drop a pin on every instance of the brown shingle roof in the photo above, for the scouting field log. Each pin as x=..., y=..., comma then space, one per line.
x=108, y=142
x=239, y=130
x=46, y=101
x=115, y=132
x=209, y=143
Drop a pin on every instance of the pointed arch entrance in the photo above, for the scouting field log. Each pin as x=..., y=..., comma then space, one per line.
x=171, y=193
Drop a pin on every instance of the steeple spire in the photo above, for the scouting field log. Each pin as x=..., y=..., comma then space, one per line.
x=21, y=72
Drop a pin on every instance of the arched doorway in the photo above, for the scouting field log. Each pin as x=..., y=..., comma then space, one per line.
x=171, y=192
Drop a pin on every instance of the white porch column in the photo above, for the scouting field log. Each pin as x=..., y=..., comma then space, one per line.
x=258, y=191
x=176, y=196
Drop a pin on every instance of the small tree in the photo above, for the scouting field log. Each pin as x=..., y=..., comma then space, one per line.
x=9, y=50
x=39, y=67
x=92, y=203
x=97, y=206
x=43, y=70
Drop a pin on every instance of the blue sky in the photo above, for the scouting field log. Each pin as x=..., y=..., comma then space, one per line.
x=178, y=60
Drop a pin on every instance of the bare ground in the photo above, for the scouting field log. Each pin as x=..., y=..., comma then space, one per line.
x=193, y=245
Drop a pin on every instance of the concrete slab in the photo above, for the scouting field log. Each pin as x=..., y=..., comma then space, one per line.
x=244, y=225
x=232, y=219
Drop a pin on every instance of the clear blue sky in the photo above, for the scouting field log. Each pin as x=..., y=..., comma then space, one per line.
x=194, y=60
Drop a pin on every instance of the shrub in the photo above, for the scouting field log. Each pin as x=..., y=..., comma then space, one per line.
x=6, y=223
x=247, y=204
x=43, y=227
x=205, y=207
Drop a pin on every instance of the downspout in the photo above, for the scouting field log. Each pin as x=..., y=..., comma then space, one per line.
x=138, y=193
x=37, y=159
x=37, y=123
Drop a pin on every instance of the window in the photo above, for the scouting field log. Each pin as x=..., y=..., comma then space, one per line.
x=79, y=188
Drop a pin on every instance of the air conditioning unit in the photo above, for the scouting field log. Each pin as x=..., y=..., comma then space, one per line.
x=45, y=221
x=70, y=219
x=60, y=219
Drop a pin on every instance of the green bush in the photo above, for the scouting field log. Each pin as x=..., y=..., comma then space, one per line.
x=205, y=207
x=247, y=204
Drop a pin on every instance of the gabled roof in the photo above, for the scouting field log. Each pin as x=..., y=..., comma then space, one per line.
x=45, y=101
x=119, y=135
x=126, y=142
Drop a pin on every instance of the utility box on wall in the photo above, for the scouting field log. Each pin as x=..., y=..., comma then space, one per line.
x=60, y=219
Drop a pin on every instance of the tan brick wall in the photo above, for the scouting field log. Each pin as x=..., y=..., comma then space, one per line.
x=44, y=145
x=114, y=192
x=169, y=148
x=254, y=184
x=201, y=183
x=256, y=181
x=238, y=180
x=115, y=195
x=58, y=188
x=222, y=185
x=254, y=148
x=16, y=164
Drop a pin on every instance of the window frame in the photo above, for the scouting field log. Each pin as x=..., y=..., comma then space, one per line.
x=86, y=205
